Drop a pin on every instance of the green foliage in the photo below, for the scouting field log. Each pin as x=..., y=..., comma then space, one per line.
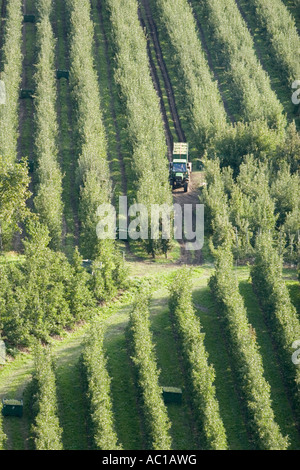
x=244, y=138
x=81, y=296
x=203, y=100
x=201, y=373
x=99, y=394
x=247, y=359
x=289, y=150
x=46, y=429
x=11, y=75
x=143, y=356
x=48, y=202
x=144, y=120
x=275, y=300
x=262, y=197
x=215, y=200
x=285, y=190
x=44, y=294
x=253, y=181
x=109, y=271
x=279, y=26
x=14, y=182
x=249, y=84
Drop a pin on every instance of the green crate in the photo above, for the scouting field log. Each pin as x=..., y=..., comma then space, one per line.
x=87, y=264
x=172, y=395
x=29, y=18
x=26, y=93
x=62, y=74
x=12, y=407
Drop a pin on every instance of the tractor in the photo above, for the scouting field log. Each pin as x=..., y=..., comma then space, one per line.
x=180, y=168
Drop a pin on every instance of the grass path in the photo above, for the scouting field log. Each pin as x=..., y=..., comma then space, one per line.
x=66, y=140
x=226, y=391
x=126, y=413
x=114, y=117
x=26, y=111
x=183, y=431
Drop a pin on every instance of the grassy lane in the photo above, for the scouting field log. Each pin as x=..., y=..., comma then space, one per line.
x=67, y=154
x=216, y=346
x=114, y=113
x=13, y=380
x=280, y=402
x=26, y=105
x=126, y=415
x=128, y=422
x=110, y=103
x=183, y=428
x=71, y=399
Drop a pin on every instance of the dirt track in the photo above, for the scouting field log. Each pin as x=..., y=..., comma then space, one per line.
x=148, y=23
x=191, y=197
x=179, y=196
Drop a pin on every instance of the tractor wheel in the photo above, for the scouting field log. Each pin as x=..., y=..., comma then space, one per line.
x=186, y=187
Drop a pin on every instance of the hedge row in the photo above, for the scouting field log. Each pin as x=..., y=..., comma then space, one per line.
x=11, y=75
x=204, y=104
x=144, y=121
x=48, y=199
x=216, y=202
x=280, y=28
x=201, y=375
x=46, y=429
x=249, y=84
x=156, y=420
x=281, y=314
x=247, y=359
x=93, y=174
x=98, y=389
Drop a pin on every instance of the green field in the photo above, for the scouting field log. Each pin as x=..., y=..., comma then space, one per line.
x=208, y=73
